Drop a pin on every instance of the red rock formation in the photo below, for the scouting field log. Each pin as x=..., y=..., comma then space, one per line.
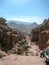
x=43, y=39
x=11, y=40
x=41, y=34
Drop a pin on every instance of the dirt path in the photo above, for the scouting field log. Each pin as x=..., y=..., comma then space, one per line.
x=22, y=60
x=34, y=49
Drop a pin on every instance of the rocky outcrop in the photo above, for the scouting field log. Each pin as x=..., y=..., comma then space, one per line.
x=43, y=39
x=12, y=41
x=9, y=39
x=2, y=21
x=41, y=34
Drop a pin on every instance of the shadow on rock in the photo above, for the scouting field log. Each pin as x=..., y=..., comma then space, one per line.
x=47, y=63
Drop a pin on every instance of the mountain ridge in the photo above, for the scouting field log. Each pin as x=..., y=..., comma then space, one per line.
x=22, y=26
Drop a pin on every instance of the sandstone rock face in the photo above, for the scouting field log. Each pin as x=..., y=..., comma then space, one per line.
x=11, y=40
x=41, y=34
x=34, y=35
x=8, y=38
x=43, y=39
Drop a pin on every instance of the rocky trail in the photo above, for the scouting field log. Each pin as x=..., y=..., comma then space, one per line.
x=34, y=49
x=22, y=60
x=33, y=57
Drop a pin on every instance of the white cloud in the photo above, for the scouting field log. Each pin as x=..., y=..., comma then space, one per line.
x=32, y=19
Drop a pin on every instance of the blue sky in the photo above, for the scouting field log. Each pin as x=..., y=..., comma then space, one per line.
x=25, y=10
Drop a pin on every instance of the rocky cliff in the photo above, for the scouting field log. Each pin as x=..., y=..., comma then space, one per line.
x=41, y=34
x=11, y=40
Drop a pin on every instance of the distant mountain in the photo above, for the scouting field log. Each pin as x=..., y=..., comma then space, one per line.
x=22, y=26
